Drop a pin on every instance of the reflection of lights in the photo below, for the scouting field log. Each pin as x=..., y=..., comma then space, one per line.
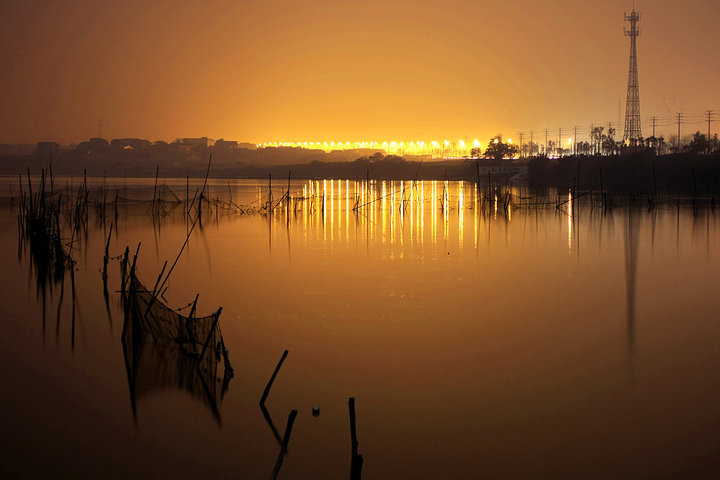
x=460, y=195
x=570, y=219
x=461, y=215
x=392, y=194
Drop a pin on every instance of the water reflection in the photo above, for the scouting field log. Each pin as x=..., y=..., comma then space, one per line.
x=394, y=212
x=632, y=234
x=514, y=313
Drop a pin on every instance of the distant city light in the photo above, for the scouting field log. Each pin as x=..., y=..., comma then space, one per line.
x=459, y=148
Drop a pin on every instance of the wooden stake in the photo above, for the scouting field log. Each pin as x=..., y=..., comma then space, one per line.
x=266, y=392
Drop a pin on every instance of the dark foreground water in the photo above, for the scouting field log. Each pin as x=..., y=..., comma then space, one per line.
x=529, y=343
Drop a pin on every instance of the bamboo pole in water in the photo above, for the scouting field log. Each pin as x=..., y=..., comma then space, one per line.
x=266, y=392
x=107, y=256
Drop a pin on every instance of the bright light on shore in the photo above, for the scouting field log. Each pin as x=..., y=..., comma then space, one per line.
x=426, y=148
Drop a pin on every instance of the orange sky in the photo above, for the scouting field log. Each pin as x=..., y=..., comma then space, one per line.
x=276, y=70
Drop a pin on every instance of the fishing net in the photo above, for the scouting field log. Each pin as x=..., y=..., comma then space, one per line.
x=165, y=350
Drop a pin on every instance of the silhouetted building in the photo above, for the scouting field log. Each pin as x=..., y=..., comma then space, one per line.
x=48, y=150
x=95, y=144
x=501, y=167
x=193, y=142
x=132, y=143
x=7, y=149
x=223, y=146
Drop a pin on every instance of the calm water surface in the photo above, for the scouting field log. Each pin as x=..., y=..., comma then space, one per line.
x=483, y=343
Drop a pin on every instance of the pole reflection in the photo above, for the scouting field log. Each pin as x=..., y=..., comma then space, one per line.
x=632, y=228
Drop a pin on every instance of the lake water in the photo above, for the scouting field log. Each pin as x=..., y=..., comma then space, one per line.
x=478, y=341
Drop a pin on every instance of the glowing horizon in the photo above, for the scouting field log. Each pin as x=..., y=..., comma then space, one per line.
x=349, y=71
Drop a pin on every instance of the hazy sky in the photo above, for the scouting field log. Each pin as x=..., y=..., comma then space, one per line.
x=282, y=70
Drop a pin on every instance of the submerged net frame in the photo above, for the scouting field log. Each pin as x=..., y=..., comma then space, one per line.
x=166, y=350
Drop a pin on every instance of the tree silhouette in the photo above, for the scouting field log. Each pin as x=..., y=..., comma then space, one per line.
x=498, y=149
x=699, y=144
x=597, y=139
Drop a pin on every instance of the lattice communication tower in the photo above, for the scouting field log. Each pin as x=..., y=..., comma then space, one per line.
x=633, y=130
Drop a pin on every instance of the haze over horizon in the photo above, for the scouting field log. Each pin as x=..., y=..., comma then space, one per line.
x=373, y=70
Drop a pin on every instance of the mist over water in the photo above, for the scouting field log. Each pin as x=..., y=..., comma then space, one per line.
x=479, y=337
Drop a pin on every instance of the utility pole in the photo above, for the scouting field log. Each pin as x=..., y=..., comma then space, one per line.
x=679, y=122
x=709, y=117
x=560, y=139
x=531, y=143
x=546, y=142
x=654, y=122
x=522, y=145
x=575, y=141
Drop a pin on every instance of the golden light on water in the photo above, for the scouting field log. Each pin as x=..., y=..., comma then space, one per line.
x=392, y=212
x=461, y=213
x=570, y=221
